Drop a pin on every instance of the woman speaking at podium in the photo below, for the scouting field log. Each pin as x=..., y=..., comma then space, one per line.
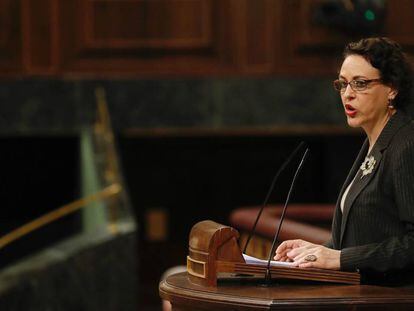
x=373, y=225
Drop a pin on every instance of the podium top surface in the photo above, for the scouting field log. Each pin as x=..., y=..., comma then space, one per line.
x=288, y=295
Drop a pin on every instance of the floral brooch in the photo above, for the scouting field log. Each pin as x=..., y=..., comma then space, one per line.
x=367, y=166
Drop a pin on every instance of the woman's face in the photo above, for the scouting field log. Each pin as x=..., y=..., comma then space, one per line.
x=364, y=108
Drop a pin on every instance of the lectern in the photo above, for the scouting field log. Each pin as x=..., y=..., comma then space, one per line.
x=214, y=251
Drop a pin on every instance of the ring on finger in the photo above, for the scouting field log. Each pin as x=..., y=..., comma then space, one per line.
x=311, y=258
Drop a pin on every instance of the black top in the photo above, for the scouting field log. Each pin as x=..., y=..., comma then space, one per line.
x=376, y=229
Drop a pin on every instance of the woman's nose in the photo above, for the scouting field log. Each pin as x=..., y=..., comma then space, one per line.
x=348, y=92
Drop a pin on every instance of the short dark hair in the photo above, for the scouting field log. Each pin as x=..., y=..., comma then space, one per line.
x=393, y=65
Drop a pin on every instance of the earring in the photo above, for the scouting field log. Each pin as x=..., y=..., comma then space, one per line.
x=390, y=104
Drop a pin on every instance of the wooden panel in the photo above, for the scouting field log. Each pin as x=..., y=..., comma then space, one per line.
x=400, y=22
x=4, y=21
x=258, y=34
x=177, y=37
x=144, y=36
x=40, y=33
x=305, y=47
x=148, y=24
x=10, y=37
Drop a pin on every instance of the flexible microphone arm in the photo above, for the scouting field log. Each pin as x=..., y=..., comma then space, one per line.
x=270, y=191
x=268, y=276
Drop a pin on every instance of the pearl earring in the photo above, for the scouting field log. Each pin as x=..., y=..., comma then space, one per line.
x=390, y=105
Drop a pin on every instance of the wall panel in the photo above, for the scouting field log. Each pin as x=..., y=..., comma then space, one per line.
x=305, y=47
x=400, y=22
x=258, y=31
x=308, y=48
x=145, y=38
x=40, y=36
x=173, y=24
x=142, y=36
x=10, y=37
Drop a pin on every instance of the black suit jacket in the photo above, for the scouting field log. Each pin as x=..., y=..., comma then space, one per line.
x=375, y=231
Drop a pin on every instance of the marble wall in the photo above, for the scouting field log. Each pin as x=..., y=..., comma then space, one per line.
x=63, y=106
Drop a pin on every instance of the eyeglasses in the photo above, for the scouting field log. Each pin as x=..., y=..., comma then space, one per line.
x=357, y=85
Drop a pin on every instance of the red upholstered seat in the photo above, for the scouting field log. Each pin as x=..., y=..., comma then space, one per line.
x=310, y=222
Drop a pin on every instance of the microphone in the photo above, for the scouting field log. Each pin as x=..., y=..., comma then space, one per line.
x=268, y=276
x=287, y=161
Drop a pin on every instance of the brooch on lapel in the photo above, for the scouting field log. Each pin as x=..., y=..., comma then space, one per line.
x=367, y=166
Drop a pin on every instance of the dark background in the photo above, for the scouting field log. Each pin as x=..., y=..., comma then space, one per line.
x=207, y=98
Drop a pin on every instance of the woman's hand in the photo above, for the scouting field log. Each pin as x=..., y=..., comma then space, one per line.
x=298, y=251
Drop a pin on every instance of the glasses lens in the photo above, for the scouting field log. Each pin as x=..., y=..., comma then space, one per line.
x=339, y=85
x=359, y=85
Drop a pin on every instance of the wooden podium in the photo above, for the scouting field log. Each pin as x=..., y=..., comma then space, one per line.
x=288, y=295
x=213, y=249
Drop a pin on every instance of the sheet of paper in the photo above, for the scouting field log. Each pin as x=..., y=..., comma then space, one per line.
x=257, y=261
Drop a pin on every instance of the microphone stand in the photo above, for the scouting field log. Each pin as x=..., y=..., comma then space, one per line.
x=287, y=161
x=268, y=276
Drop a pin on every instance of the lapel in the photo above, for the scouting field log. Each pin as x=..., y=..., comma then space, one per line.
x=391, y=128
x=338, y=218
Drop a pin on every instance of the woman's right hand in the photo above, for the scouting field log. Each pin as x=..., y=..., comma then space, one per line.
x=297, y=251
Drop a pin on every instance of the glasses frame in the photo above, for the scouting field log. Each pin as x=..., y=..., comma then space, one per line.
x=353, y=85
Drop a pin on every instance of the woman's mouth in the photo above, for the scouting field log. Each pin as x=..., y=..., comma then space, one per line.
x=350, y=111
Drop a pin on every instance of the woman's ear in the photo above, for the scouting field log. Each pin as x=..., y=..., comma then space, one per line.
x=392, y=94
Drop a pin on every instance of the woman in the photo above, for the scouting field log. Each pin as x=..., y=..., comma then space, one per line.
x=373, y=225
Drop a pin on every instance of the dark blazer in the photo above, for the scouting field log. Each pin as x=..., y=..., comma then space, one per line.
x=375, y=232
